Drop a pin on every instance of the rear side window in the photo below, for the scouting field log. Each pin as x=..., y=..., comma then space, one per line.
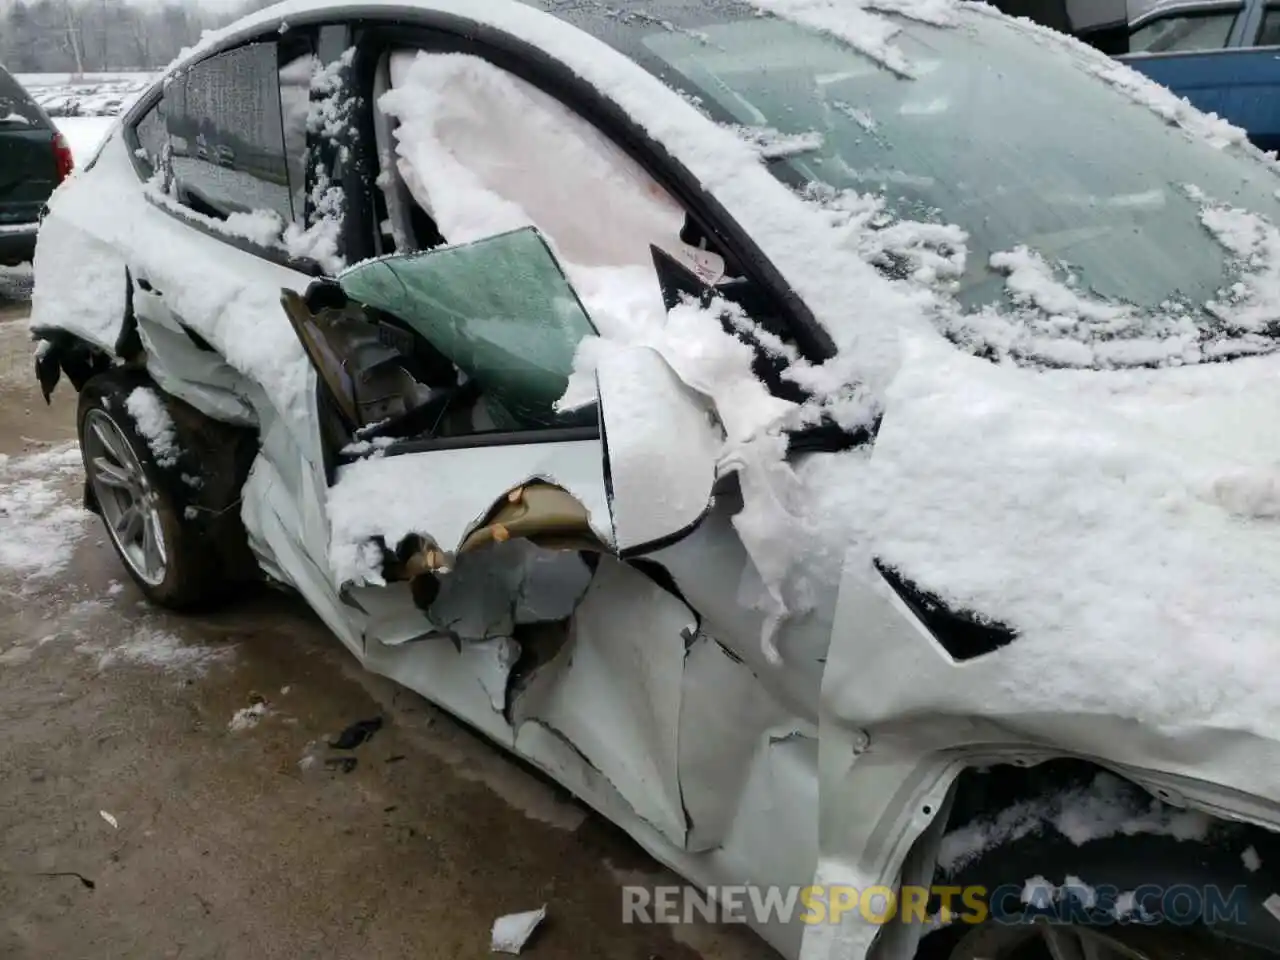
x=1185, y=33
x=226, y=135
x=1269, y=35
x=17, y=109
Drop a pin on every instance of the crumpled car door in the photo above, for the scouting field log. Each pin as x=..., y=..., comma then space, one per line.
x=467, y=509
x=640, y=462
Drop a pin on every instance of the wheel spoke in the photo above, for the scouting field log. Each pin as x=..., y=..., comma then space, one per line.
x=112, y=474
x=152, y=547
x=110, y=443
x=129, y=524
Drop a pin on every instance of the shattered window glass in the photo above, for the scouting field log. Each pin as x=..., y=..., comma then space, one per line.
x=500, y=309
x=225, y=128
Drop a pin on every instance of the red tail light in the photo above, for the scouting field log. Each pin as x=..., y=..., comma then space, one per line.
x=62, y=157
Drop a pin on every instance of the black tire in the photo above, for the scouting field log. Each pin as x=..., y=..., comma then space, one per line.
x=191, y=574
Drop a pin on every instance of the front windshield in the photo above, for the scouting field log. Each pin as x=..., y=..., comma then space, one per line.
x=1064, y=185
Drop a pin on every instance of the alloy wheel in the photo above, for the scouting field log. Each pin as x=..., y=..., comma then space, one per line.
x=126, y=498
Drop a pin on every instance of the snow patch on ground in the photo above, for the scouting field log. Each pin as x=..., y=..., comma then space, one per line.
x=40, y=516
x=1107, y=807
x=155, y=425
x=167, y=651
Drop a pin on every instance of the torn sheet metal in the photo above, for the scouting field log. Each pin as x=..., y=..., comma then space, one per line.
x=493, y=589
x=723, y=723
x=444, y=494
x=464, y=679
x=662, y=443
x=273, y=523
x=614, y=691
x=198, y=377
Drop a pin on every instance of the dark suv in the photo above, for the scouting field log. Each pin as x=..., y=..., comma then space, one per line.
x=34, y=158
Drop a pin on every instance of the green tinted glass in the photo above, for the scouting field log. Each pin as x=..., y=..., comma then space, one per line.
x=500, y=309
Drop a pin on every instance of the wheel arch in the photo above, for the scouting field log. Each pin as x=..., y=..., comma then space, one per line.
x=1073, y=824
x=62, y=352
x=206, y=479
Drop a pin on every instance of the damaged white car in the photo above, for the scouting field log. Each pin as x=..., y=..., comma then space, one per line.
x=833, y=440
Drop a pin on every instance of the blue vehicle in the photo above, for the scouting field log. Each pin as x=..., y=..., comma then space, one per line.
x=1222, y=55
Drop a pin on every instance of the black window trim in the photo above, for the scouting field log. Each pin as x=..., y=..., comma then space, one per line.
x=495, y=438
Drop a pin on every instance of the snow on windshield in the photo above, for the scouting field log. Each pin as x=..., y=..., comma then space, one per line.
x=857, y=25
x=1166, y=104
x=1252, y=304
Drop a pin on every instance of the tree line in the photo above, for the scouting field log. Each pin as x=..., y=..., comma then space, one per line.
x=88, y=36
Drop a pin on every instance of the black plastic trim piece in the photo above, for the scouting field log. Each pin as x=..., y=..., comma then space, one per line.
x=495, y=439
x=829, y=437
x=964, y=635
x=128, y=342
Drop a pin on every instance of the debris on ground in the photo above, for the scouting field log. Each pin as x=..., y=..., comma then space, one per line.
x=356, y=734
x=345, y=764
x=109, y=818
x=512, y=932
x=247, y=717
x=85, y=881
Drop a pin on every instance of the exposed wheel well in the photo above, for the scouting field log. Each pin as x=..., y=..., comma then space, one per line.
x=1100, y=848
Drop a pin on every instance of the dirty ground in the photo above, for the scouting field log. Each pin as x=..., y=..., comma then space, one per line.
x=168, y=787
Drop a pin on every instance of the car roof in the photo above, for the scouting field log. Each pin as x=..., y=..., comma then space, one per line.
x=594, y=17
